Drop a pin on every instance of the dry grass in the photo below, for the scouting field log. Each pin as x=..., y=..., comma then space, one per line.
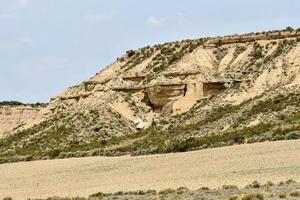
x=234, y=165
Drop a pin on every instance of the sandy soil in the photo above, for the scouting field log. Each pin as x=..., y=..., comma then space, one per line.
x=240, y=165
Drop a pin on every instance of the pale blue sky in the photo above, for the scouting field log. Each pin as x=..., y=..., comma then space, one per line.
x=48, y=45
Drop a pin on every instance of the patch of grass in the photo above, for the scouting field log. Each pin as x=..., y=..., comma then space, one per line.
x=283, y=47
x=295, y=194
x=233, y=198
x=282, y=195
x=257, y=52
x=255, y=196
x=290, y=181
x=167, y=191
x=229, y=187
x=220, y=53
x=239, y=50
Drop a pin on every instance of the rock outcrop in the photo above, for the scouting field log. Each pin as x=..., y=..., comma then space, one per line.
x=13, y=117
x=209, y=85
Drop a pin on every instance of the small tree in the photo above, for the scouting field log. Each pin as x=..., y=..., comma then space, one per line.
x=130, y=53
x=289, y=28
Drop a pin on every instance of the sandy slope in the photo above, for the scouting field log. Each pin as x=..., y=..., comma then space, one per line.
x=240, y=165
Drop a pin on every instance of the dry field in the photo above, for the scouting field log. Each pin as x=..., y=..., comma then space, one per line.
x=239, y=165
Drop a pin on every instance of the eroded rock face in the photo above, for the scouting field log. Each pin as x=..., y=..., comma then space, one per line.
x=13, y=116
x=175, y=78
x=213, y=88
x=160, y=95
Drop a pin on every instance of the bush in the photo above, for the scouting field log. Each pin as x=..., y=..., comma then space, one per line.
x=291, y=181
x=205, y=188
x=269, y=183
x=153, y=192
x=295, y=194
x=282, y=195
x=229, y=187
x=289, y=28
x=257, y=51
x=256, y=196
x=53, y=153
x=255, y=184
x=130, y=53
x=167, y=191
x=98, y=195
x=293, y=135
x=10, y=103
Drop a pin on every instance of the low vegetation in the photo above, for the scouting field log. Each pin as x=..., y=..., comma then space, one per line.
x=56, y=141
x=257, y=52
x=17, y=103
x=231, y=192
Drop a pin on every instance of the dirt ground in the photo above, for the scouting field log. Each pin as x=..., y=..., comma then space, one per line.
x=239, y=165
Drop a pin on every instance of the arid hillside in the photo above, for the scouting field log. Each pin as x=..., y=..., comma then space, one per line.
x=173, y=97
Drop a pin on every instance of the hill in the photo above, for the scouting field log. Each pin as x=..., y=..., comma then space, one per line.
x=173, y=97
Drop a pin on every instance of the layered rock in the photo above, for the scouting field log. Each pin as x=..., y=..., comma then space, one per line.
x=173, y=79
x=12, y=117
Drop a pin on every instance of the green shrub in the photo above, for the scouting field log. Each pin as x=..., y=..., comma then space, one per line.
x=257, y=52
x=256, y=196
x=269, y=183
x=17, y=103
x=233, y=198
x=295, y=194
x=290, y=181
x=255, y=184
x=10, y=103
x=54, y=153
x=289, y=28
x=98, y=195
x=130, y=53
x=282, y=195
x=166, y=191
x=205, y=188
x=182, y=190
x=239, y=50
x=229, y=187
x=293, y=135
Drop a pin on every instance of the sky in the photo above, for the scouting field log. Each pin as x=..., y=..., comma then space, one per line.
x=48, y=45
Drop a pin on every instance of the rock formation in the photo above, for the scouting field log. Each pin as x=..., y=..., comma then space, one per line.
x=203, y=87
x=13, y=117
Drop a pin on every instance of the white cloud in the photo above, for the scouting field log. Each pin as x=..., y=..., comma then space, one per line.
x=94, y=18
x=156, y=21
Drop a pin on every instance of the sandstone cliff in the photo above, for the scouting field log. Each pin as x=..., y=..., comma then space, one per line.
x=180, y=91
x=13, y=117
